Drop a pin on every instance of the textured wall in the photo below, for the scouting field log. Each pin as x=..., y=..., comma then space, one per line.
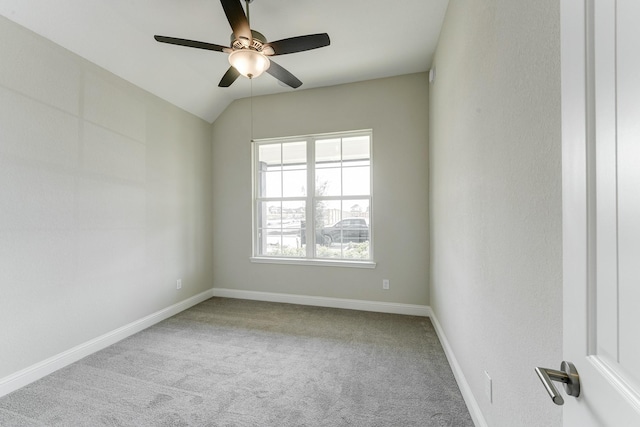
x=105, y=200
x=396, y=110
x=495, y=206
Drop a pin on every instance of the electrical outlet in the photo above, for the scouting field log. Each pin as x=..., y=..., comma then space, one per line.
x=488, y=387
x=179, y=284
x=385, y=284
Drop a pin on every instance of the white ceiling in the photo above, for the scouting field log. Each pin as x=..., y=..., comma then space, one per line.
x=369, y=39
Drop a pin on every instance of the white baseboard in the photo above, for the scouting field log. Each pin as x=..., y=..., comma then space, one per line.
x=465, y=389
x=350, y=304
x=39, y=370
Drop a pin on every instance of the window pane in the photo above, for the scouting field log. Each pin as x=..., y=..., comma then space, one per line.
x=268, y=225
x=345, y=231
x=293, y=214
x=273, y=239
x=356, y=181
x=270, y=154
x=328, y=214
x=272, y=214
x=357, y=208
x=270, y=184
x=328, y=182
x=294, y=183
x=355, y=148
x=327, y=150
x=294, y=153
x=281, y=228
x=356, y=232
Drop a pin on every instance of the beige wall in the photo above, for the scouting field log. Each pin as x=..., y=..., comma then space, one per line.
x=105, y=201
x=495, y=205
x=396, y=110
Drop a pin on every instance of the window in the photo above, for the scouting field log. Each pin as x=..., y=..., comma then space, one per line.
x=312, y=198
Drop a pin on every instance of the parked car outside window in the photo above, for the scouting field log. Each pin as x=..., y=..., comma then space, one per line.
x=347, y=230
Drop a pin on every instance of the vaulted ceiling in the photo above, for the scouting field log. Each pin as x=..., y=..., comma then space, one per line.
x=369, y=39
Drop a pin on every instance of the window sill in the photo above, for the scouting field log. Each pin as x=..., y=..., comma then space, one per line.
x=315, y=262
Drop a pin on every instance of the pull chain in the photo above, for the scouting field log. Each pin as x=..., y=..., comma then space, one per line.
x=247, y=2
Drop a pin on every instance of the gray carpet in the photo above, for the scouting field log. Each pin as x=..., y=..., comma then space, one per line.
x=229, y=362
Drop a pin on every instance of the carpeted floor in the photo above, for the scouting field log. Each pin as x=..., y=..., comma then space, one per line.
x=228, y=362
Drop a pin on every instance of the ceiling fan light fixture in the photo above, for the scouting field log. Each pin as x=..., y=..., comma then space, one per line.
x=250, y=63
x=249, y=51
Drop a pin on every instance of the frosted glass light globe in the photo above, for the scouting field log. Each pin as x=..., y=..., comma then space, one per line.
x=250, y=63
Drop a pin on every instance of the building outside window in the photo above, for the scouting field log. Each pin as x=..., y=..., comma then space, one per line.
x=312, y=197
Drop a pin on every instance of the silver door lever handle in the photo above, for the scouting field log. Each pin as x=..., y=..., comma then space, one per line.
x=568, y=375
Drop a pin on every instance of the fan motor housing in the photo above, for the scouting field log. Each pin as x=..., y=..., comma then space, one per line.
x=258, y=41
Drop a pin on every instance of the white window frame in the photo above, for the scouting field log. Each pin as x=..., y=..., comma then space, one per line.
x=310, y=199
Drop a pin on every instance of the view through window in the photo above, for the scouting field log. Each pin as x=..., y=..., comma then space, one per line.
x=313, y=197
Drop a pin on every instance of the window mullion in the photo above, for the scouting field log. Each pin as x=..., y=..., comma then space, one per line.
x=341, y=196
x=281, y=170
x=311, y=191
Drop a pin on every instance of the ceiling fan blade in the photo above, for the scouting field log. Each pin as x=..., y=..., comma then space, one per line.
x=238, y=20
x=283, y=75
x=192, y=43
x=229, y=77
x=299, y=44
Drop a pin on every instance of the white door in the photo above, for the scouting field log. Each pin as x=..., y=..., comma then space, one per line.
x=601, y=209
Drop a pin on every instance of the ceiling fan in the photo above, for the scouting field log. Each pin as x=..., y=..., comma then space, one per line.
x=249, y=52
